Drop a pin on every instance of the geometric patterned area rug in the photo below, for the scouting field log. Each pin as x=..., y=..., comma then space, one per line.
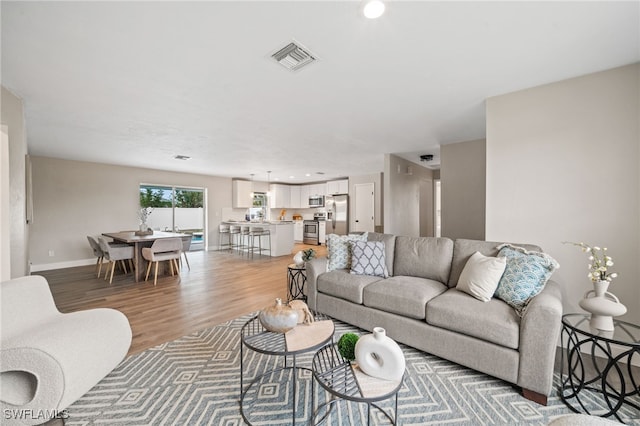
x=195, y=380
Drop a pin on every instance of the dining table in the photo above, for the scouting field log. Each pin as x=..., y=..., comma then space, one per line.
x=140, y=241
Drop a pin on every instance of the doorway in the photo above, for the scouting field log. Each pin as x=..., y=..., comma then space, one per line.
x=364, y=207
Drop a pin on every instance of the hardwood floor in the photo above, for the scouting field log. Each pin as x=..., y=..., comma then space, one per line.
x=220, y=286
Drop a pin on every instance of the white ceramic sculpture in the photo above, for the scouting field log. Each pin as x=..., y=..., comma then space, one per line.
x=298, y=259
x=380, y=356
x=602, y=305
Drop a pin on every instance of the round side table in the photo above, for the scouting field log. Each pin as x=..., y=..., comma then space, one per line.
x=296, y=279
x=595, y=369
x=345, y=381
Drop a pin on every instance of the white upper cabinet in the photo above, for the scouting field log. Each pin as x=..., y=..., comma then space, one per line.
x=280, y=196
x=318, y=189
x=241, y=194
x=294, y=197
x=304, y=196
x=338, y=187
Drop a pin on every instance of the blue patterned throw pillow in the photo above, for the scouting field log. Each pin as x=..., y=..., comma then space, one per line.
x=339, y=250
x=367, y=258
x=525, y=275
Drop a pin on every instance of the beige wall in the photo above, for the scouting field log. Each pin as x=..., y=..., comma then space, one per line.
x=462, y=176
x=562, y=165
x=73, y=199
x=408, y=198
x=13, y=118
x=376, y=179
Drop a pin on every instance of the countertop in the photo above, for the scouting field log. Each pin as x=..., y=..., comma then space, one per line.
x=266, y=222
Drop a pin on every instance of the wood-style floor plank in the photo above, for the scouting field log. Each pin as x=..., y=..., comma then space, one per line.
x=219, y=287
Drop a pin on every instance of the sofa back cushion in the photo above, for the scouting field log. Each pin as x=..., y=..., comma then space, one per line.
x=424, y=257
x=464, y=249
x=389, y=241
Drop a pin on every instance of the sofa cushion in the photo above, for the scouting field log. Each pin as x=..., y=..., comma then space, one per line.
x=492, y=321
x=368, y=258
x=339, y=250
x=424, y=257
x=463, y=249
x=481, y=275
x=389, y=241
x=406, y=296
x=525, y=275
x=340, y=283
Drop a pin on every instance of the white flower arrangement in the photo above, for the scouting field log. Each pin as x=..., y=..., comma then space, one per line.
x=144, y=213
x=599, y=262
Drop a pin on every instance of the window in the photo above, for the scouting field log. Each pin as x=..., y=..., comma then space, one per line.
x=176, y=209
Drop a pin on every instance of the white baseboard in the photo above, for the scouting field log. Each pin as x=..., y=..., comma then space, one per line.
x=60, y=265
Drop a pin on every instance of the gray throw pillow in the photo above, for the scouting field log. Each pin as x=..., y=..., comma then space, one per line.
x=368, y=258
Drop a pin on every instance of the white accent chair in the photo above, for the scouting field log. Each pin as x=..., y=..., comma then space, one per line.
x=48, y=359
x=161, y=250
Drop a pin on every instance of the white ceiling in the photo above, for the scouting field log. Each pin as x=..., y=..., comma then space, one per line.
x=136, y=83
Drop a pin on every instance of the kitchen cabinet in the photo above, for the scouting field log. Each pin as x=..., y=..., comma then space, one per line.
x=318, y=189
x=280, y=196
x=298, y=231
x=322, y=232
x=241, y=194
x=304, y=196
x=294, y=197
x=338, y=187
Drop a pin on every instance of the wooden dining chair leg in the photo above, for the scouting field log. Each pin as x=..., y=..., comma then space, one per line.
x=175, y=261
x=124, y=266
x=100, y=260
x=146, y=278
x=155, y=278
x=112, y=269
x=171, y=267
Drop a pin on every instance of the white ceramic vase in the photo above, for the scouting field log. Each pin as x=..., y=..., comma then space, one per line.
x=380, y=356
x=298, y=259
x=602, y=305
x=278, y=317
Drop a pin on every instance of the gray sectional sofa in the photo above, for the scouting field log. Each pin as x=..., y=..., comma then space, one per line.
x=419, y=305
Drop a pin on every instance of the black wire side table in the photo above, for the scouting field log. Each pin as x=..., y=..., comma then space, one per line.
x=609, y=354
x=303, y=338
x=345, y=381
x=296, y=279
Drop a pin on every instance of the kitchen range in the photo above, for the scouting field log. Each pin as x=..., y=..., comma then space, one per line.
x=311, y=233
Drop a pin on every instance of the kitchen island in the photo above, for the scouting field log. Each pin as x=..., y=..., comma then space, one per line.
x=281, y=234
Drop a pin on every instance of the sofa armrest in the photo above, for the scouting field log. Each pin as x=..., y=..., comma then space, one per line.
x=539, y=331
x=313, y=269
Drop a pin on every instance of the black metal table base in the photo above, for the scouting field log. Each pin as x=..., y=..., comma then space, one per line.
x=609, y=383
x=329, y=405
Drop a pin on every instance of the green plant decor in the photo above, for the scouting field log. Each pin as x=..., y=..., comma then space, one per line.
x=308, y=254
x=347, y=345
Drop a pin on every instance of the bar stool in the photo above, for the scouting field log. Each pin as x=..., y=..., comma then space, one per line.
x=234, y=236
x=245, y=239
x=258, y=232
x=224, y=231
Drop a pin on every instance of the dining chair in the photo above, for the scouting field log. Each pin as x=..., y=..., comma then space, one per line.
x=97, y=252
x=114, y=253
x=161, y=250
x=186, y=246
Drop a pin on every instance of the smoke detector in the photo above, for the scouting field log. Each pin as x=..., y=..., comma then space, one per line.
x=294, y=56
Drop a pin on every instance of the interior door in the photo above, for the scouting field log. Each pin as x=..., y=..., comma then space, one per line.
x=364, y=207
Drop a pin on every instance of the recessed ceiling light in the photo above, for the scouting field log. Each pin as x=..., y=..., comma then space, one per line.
x=182, y=157
x=373, y=9
x=307, y=174
x=292, y=177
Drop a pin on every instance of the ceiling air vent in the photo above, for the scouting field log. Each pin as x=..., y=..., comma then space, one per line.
x=294, y=56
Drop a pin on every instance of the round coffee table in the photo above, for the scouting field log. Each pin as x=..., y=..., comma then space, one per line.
x=598, y=365
x=345, y=381
x=302, y=339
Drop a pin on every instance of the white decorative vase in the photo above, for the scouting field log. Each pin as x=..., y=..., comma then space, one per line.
x=602, y=305
x=279, y=317
x=298, y=259
x=379, y=356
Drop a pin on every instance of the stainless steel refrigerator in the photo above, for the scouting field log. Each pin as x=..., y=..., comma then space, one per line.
x=337, y=207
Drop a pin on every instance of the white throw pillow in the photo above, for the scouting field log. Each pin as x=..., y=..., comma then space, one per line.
x=481, y=275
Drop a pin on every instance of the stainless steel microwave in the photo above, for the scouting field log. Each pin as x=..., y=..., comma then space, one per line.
x=316, y=201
